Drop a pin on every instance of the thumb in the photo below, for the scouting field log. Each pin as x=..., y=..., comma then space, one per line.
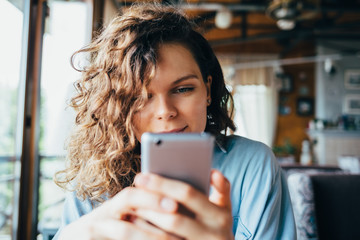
x=221, y=189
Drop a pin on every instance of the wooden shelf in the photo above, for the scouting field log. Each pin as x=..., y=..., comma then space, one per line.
x=334, y=132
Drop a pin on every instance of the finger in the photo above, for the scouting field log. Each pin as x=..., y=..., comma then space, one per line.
x=174, y=189
x=132, y=198
x=221, y=191
x=112, y=229
x=191, y=198
x=176, y=224
x=146, y=226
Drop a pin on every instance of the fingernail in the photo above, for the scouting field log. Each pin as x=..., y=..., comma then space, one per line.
x=141, y=180
x=168, y=204
x=175, y=238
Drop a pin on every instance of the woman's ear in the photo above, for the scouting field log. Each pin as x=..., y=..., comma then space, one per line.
x=208, y=88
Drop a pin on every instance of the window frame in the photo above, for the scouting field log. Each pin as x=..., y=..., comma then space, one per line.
x=27, y=158
x=27, y=133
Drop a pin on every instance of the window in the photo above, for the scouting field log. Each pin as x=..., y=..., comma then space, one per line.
x=11, y=25
x=67, y=29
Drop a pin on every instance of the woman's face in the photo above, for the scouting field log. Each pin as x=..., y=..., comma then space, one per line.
x=178, y=96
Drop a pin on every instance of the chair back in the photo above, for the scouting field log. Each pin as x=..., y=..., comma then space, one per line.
x=337, y=205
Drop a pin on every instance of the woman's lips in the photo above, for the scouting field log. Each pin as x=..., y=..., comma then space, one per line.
x=178, y=130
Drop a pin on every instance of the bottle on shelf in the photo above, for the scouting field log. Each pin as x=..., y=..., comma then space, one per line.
x=305, y=157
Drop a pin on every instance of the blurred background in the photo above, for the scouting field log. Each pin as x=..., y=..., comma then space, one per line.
x=293, y=68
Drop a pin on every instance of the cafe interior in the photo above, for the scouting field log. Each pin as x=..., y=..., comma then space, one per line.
x=293, y=68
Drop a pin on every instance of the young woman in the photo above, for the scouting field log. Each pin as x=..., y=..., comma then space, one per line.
x=150, y=71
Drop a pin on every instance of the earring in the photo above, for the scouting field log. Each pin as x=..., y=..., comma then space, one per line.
x=209, y=102
x=210, y=119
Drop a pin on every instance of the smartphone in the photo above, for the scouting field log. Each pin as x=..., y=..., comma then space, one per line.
x=181, y=156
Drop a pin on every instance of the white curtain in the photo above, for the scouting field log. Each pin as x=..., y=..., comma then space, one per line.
x=255, y=95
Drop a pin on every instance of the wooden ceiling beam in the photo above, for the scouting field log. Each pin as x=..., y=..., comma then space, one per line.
x=259, y=6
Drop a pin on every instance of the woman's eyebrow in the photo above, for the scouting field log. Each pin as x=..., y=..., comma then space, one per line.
x=186, y=77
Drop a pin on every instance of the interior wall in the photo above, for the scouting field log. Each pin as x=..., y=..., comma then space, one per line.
x=330, y=87
x=292, y=127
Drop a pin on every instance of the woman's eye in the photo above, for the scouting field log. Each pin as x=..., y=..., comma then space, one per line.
x=184, y=89
x=149, y=96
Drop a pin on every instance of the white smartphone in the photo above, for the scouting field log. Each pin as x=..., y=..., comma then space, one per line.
x=182, y=156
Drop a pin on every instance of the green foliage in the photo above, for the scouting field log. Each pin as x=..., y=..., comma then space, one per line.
x=6, y=187
x=284, y=150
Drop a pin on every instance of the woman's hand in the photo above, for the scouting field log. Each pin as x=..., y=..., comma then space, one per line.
x=213, y=219
x=150, y=211
x=115, y=218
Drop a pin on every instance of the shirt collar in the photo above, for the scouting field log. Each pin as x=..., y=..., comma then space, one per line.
x=220, y=142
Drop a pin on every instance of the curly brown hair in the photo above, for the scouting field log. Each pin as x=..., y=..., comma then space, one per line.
x=103, y=152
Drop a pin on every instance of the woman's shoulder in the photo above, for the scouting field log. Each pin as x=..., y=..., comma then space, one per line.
x=241, y=153
x=243, y=145
x=77, y=207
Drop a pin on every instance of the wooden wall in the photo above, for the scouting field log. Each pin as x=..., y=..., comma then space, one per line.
x=292, y=127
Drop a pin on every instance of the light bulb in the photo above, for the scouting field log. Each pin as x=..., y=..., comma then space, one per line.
x=223, y=18
x=285, y=24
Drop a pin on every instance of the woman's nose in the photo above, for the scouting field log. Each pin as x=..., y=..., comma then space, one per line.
x=165, y=109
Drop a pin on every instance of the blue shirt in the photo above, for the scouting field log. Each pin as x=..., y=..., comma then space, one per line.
x=261, y=206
